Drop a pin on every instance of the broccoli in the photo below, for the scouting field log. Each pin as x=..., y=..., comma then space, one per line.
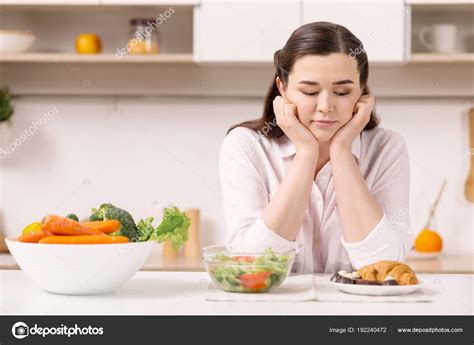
x=6, y=109
x=73, y=217
x=109, y=212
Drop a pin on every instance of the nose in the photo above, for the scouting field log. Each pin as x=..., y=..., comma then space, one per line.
x=324, y=103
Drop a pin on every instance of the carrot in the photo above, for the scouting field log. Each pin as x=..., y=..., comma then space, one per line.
x=46, y=231
x=64, y=226
x=32, y=237
x=105, y=226
x=84, y=239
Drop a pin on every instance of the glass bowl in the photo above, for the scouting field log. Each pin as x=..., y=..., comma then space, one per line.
x=244, y=268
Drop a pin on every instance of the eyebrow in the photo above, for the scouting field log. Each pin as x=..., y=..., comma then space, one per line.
x=340, y=82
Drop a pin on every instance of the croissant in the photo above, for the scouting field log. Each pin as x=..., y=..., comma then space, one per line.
x=380, y=270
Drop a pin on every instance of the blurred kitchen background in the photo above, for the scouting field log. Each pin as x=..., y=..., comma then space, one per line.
x=141, y=126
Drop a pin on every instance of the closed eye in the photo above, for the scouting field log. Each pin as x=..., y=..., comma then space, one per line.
x=336, y=93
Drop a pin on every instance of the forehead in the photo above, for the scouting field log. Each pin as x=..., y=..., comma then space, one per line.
x=325, y=68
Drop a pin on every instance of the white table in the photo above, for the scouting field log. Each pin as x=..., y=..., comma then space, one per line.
x=183, y=293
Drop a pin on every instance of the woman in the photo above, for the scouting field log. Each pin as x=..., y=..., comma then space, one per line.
x=315, y=172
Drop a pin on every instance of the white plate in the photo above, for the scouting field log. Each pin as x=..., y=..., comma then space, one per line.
x=377, y=290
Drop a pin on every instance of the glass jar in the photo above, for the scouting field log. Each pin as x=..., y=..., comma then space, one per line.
x=144, y=37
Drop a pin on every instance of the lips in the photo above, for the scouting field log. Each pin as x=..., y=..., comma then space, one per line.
x=324, y=123
x=324, y=120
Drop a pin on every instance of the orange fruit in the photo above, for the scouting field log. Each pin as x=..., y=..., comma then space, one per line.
x=428, y=241
x=88, y=44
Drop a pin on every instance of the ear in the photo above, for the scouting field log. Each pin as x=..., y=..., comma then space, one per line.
x=280, y=86
x=356, y=107
x=365, y=91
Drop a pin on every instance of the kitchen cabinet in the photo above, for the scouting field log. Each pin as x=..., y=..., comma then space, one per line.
x=380, y=25
x=243, y=30
x=253, y=30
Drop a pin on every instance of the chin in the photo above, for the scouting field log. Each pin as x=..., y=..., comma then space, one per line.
x=323, y=135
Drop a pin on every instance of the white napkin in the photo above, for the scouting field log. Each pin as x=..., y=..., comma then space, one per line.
x=308, y=287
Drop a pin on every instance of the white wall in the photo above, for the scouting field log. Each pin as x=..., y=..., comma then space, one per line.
x=145, y=153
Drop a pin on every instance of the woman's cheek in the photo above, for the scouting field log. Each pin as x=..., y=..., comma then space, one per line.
x=303, y=109
x=346, y=118
x=304, y=114
x=347, y=110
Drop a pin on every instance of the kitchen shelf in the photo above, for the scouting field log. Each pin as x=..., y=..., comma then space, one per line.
x=454, y=264
x=438, y=2
x=110, y=23
x=100, y=2
x=426, y=14
x=441, y=58
x=95, y=58
x=151, y=2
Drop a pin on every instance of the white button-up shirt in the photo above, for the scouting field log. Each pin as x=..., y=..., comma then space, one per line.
x=252, y=167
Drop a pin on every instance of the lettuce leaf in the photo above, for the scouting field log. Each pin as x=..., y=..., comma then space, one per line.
x=174, y=227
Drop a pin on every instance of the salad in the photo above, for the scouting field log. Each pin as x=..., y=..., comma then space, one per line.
x=245, y=273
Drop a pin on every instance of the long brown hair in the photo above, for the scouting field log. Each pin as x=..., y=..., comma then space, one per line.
x=318, y=38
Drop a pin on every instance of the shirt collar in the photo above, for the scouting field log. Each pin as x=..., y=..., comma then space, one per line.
x=287, y=148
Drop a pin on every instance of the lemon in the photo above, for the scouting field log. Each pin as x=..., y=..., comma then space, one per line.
x=33, y=227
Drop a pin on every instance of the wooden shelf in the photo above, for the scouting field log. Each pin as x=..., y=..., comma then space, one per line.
x=100, y=2
x=157, y=262
x=441, y=58
x=455, y=264
x=95, y=58
x=438, y=2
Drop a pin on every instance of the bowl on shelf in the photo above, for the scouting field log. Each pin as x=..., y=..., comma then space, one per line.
x=82, y=269
x=247, y=268
x=15, y=41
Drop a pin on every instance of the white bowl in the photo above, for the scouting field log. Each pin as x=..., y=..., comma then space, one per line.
x=15, y=41
x=79, y=269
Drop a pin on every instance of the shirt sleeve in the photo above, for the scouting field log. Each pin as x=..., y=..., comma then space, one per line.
x=244, y=194
x=392, y=237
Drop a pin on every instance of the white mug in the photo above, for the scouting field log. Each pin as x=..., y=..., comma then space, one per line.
x=443, y=37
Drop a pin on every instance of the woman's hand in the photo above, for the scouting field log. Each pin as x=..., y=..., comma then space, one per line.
x=344, y=137
x=287, y=120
